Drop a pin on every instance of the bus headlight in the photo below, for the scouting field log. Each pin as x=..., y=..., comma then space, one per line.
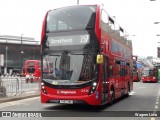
x=93, y=88
x=43, y=88
x=94, y=84
x=42, y=83
x=27, y=76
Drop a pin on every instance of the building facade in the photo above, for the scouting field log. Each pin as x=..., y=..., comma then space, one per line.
x=15, y=51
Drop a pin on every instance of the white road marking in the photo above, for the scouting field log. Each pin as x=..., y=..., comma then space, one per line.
x=7, y=105
x=152, y=118
x=47, y=105
x=156, y=107
x=132, y=93
x=142, y=87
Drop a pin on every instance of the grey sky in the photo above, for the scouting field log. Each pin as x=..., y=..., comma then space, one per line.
x=135, y=16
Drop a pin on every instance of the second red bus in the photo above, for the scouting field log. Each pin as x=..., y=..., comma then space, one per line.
x=32, y=70
x=149, y=75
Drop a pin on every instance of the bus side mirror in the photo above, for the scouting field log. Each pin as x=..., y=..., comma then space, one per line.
x=99, y=59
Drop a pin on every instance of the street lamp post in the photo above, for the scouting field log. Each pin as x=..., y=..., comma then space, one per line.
x=35, y=50
x=21, y=51
x=6, y=59
x=158, y=48
x=21, y=39
x=156, y=22
x=77, y=2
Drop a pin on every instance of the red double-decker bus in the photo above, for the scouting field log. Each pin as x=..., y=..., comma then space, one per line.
x=149, y=75
x=90, y=55
x=32, y=70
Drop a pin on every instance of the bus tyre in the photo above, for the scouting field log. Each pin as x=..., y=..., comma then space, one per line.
x=112, y=94
x=31, y=80
x=27, y=80
x=128, y=90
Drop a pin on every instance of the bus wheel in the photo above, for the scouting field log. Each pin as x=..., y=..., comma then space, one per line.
x=128, y=90
x=27, y=80
x=31, y=80
x=112, y=94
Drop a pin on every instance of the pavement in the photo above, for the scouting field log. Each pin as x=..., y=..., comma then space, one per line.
x=14, y=98
x=22, y=92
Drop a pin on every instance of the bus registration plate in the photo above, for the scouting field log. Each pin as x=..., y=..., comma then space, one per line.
x=66, y=101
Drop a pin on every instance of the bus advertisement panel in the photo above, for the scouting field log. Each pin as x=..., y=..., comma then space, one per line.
x=82, y=60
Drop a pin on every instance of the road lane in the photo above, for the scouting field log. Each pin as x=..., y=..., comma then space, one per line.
x=144, y=97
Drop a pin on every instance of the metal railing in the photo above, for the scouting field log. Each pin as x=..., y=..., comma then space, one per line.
x=18, y=86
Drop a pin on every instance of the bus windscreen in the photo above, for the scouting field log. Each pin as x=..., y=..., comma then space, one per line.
x=66, y=19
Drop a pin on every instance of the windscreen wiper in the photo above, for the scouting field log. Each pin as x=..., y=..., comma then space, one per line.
x=52, y=77
x=79, y=53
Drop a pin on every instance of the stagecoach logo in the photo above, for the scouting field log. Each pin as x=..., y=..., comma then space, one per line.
x=65, y=92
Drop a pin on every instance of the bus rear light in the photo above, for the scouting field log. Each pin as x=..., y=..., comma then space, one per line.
x=153, y=77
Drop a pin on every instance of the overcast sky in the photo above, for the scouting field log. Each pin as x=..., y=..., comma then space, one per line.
x=137, y=17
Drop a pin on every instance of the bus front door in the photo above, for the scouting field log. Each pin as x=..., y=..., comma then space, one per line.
x=104, y=90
